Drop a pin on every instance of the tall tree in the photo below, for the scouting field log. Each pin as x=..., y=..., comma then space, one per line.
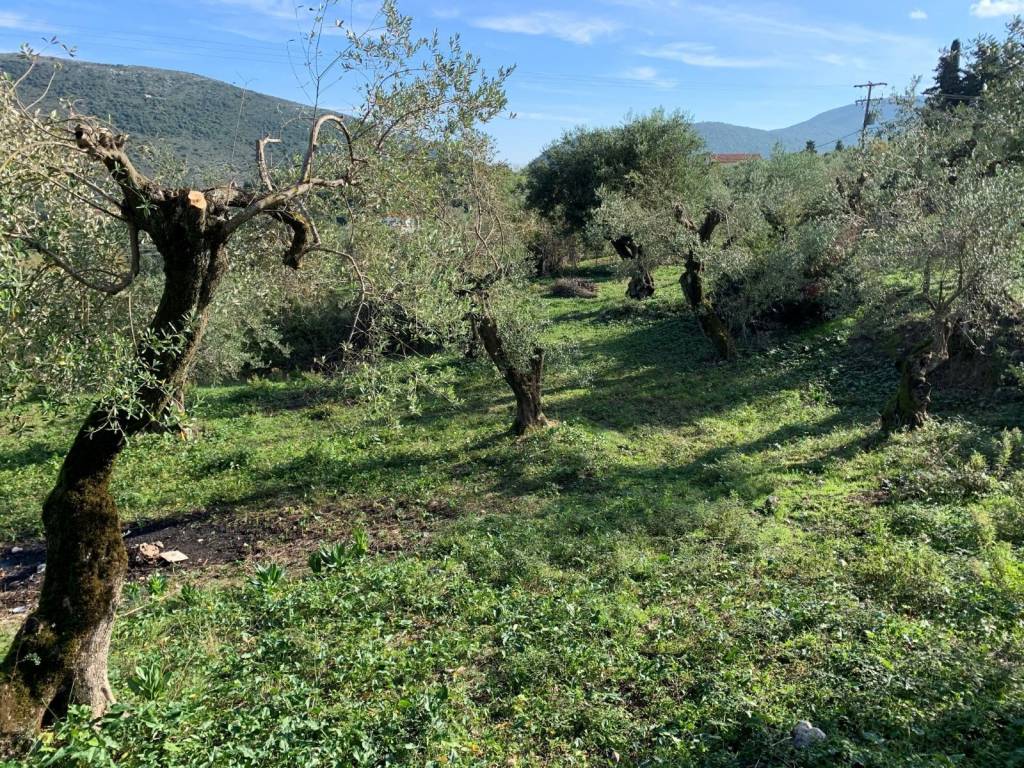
x=63, y=180
x=948, y=90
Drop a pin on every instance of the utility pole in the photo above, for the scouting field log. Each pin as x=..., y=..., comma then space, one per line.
x=867, y=108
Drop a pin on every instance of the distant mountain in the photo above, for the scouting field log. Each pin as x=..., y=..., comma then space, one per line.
x=203, y=122
x=208, y=123
x=824, y=129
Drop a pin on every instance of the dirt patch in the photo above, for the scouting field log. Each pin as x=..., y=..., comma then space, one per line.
x=215, y=540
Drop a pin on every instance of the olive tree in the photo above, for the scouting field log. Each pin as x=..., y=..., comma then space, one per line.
x=941, y=209
x=625, y=168
x=72, y=196
x=489, y=231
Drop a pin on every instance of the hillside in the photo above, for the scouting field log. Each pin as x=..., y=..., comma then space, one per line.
x=823, y=129
x=210, y=123
x=205, y=122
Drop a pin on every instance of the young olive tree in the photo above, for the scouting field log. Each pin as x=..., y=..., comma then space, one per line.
x=71, y=194
x=488, y=232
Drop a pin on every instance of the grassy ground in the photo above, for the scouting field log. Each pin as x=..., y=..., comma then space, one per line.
x=698, y=556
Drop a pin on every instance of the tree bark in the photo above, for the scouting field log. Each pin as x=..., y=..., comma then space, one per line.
x=59, y=656
x=525, y=385
x=641, y=285
x=908, y=408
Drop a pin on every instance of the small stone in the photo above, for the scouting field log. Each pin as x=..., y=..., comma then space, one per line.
x=804, y=734
x=173, y=556
x=41, y=568
x=19, y=609
x=16, y=550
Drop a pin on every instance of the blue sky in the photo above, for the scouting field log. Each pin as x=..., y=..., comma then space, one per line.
x=762, y=64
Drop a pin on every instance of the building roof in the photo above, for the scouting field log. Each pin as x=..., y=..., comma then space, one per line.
x=735, y=157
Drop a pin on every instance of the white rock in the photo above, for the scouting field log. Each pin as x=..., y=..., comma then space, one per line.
x=19, y=609
x=804, y=734
x=173, y=556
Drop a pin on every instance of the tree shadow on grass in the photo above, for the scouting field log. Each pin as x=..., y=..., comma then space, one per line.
x=36, y=452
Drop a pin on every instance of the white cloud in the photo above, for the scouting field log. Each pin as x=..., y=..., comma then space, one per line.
x=9, y=20
x=648, y=75
x=564, y=26
x=919, y=15
x=989, y=8
x=703, y=55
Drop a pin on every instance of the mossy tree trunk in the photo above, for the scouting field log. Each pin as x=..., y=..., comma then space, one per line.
x=525, y=384
x=692, y=283
x=908, y=408
x=59, y=656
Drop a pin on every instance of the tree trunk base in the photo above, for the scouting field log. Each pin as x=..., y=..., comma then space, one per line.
x=59, y=656
x=908, y=408
x=716, y=332
x=529, y=418
x=641, y=286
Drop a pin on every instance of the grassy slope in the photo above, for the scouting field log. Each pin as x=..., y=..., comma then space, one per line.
x=614, y=589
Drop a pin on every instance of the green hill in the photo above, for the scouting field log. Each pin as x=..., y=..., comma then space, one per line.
x=204, y=122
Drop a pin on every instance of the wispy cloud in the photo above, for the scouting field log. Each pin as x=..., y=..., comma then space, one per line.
x=17, y=21
x=648, y=75
x=278, y=9
x=989, y=8
x=564, y=26
x=852, y=34
x=704, y=55
x=839, y=60
x=918, y=15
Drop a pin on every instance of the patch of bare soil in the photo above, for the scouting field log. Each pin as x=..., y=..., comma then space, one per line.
x=216, y=541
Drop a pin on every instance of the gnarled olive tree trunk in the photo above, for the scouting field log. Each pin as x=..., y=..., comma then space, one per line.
x=59, y=656
x=525, y=384
x=692, y=283
x=641, y=284
x=908, y=408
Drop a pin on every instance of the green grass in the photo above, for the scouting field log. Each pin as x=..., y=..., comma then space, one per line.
x=698, y=556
